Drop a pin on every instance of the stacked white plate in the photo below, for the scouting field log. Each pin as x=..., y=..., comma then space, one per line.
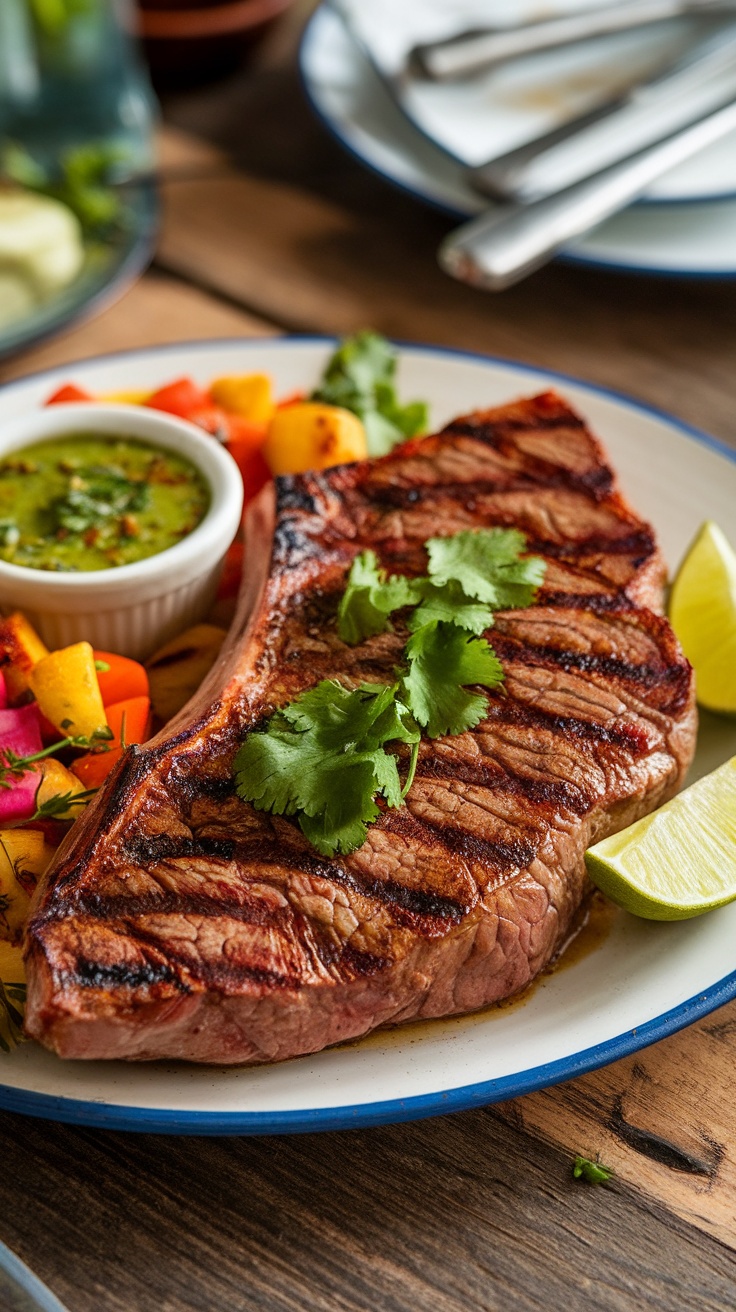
x=423, y=136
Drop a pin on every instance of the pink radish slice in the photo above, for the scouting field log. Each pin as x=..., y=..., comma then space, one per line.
x=3, y=692
x=20, y=733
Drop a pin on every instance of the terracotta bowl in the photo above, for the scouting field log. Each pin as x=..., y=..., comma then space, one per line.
x=191, y=41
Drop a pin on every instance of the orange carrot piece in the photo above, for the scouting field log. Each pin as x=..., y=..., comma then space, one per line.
x=124, y=679
x=69, y=392
x=129, y=722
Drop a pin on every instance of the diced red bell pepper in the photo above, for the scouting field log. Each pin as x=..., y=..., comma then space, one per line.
x=214, y=420
x=253, y=469
x=129, y=721
x=179, y=398
x=245, y=434
x=69, y=392
x=294, y=398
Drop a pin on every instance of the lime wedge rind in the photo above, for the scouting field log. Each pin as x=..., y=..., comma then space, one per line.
x=678, y=862
x=702, y=609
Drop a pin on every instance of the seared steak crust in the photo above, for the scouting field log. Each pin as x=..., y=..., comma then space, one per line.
x=180, y=922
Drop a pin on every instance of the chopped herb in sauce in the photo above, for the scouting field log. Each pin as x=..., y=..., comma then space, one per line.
x=83, y=503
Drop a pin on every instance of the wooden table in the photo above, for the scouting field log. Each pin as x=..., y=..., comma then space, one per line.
x=269, y=227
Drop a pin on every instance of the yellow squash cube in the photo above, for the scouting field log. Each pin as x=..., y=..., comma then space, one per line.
x=20, y=649
x=57, y=781
x=311, y=435
x=24, y=855
x=66, y=688
x=250, y=396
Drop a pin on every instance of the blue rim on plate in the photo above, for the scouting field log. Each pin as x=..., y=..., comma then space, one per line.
x=29, y=1293
x=99, y=283
x=335, y=129
x=463, y=1098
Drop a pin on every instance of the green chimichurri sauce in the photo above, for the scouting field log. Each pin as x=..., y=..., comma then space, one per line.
x=87, y=503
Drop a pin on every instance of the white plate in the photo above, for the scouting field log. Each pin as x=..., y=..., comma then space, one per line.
x=693, y=239
x=645, y=981
x=478, y=118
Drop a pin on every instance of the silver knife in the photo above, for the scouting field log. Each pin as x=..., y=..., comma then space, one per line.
x=701, y=82
x=503, y=245
x=470, y=52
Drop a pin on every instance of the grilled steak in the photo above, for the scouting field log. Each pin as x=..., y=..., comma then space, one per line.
x=180, y=922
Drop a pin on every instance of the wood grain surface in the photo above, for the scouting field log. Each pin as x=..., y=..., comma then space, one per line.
x=270, y=227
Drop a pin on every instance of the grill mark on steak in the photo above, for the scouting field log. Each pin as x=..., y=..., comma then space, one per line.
x=145, y=850
x=91, y=975
x=180, y=922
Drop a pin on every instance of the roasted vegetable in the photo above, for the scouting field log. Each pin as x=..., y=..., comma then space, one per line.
x=20, y=738
x=24, y=856
x=65, y=686
x=69, y=392
x=20, y=649
x=249, y=396
x=312, y=435
x=12, y=994
x=176, y=670
x=178, y=398
x=129, y=723
x=124, y=678
x=56, y=792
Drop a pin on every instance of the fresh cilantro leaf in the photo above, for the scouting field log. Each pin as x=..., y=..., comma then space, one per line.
x=448, y=602
x=443, y=660
x=369, y=599
x=322, y=758
x=593, y=1172
x=360, y=377
x=489, y=565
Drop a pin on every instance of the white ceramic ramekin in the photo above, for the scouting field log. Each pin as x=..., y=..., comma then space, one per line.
x=130, y=609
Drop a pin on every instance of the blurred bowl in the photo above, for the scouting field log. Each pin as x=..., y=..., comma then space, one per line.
x=190, y=41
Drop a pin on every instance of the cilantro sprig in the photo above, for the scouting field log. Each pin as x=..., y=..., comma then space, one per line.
x=360, y=377
x=325, y=757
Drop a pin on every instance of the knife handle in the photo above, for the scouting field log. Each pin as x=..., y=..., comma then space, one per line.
x=504, y=244
x=464, y=55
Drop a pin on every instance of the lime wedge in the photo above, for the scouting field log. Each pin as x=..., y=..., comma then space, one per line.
x=703, y=615
x=679, y=861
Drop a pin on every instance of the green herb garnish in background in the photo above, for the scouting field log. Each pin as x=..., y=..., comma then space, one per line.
x=323, y=757
x=360, y=377
x=592, y=1172
x=84, y=181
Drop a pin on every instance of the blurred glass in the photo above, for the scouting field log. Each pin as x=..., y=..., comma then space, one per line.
x=78, y=205
x=71, y=75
